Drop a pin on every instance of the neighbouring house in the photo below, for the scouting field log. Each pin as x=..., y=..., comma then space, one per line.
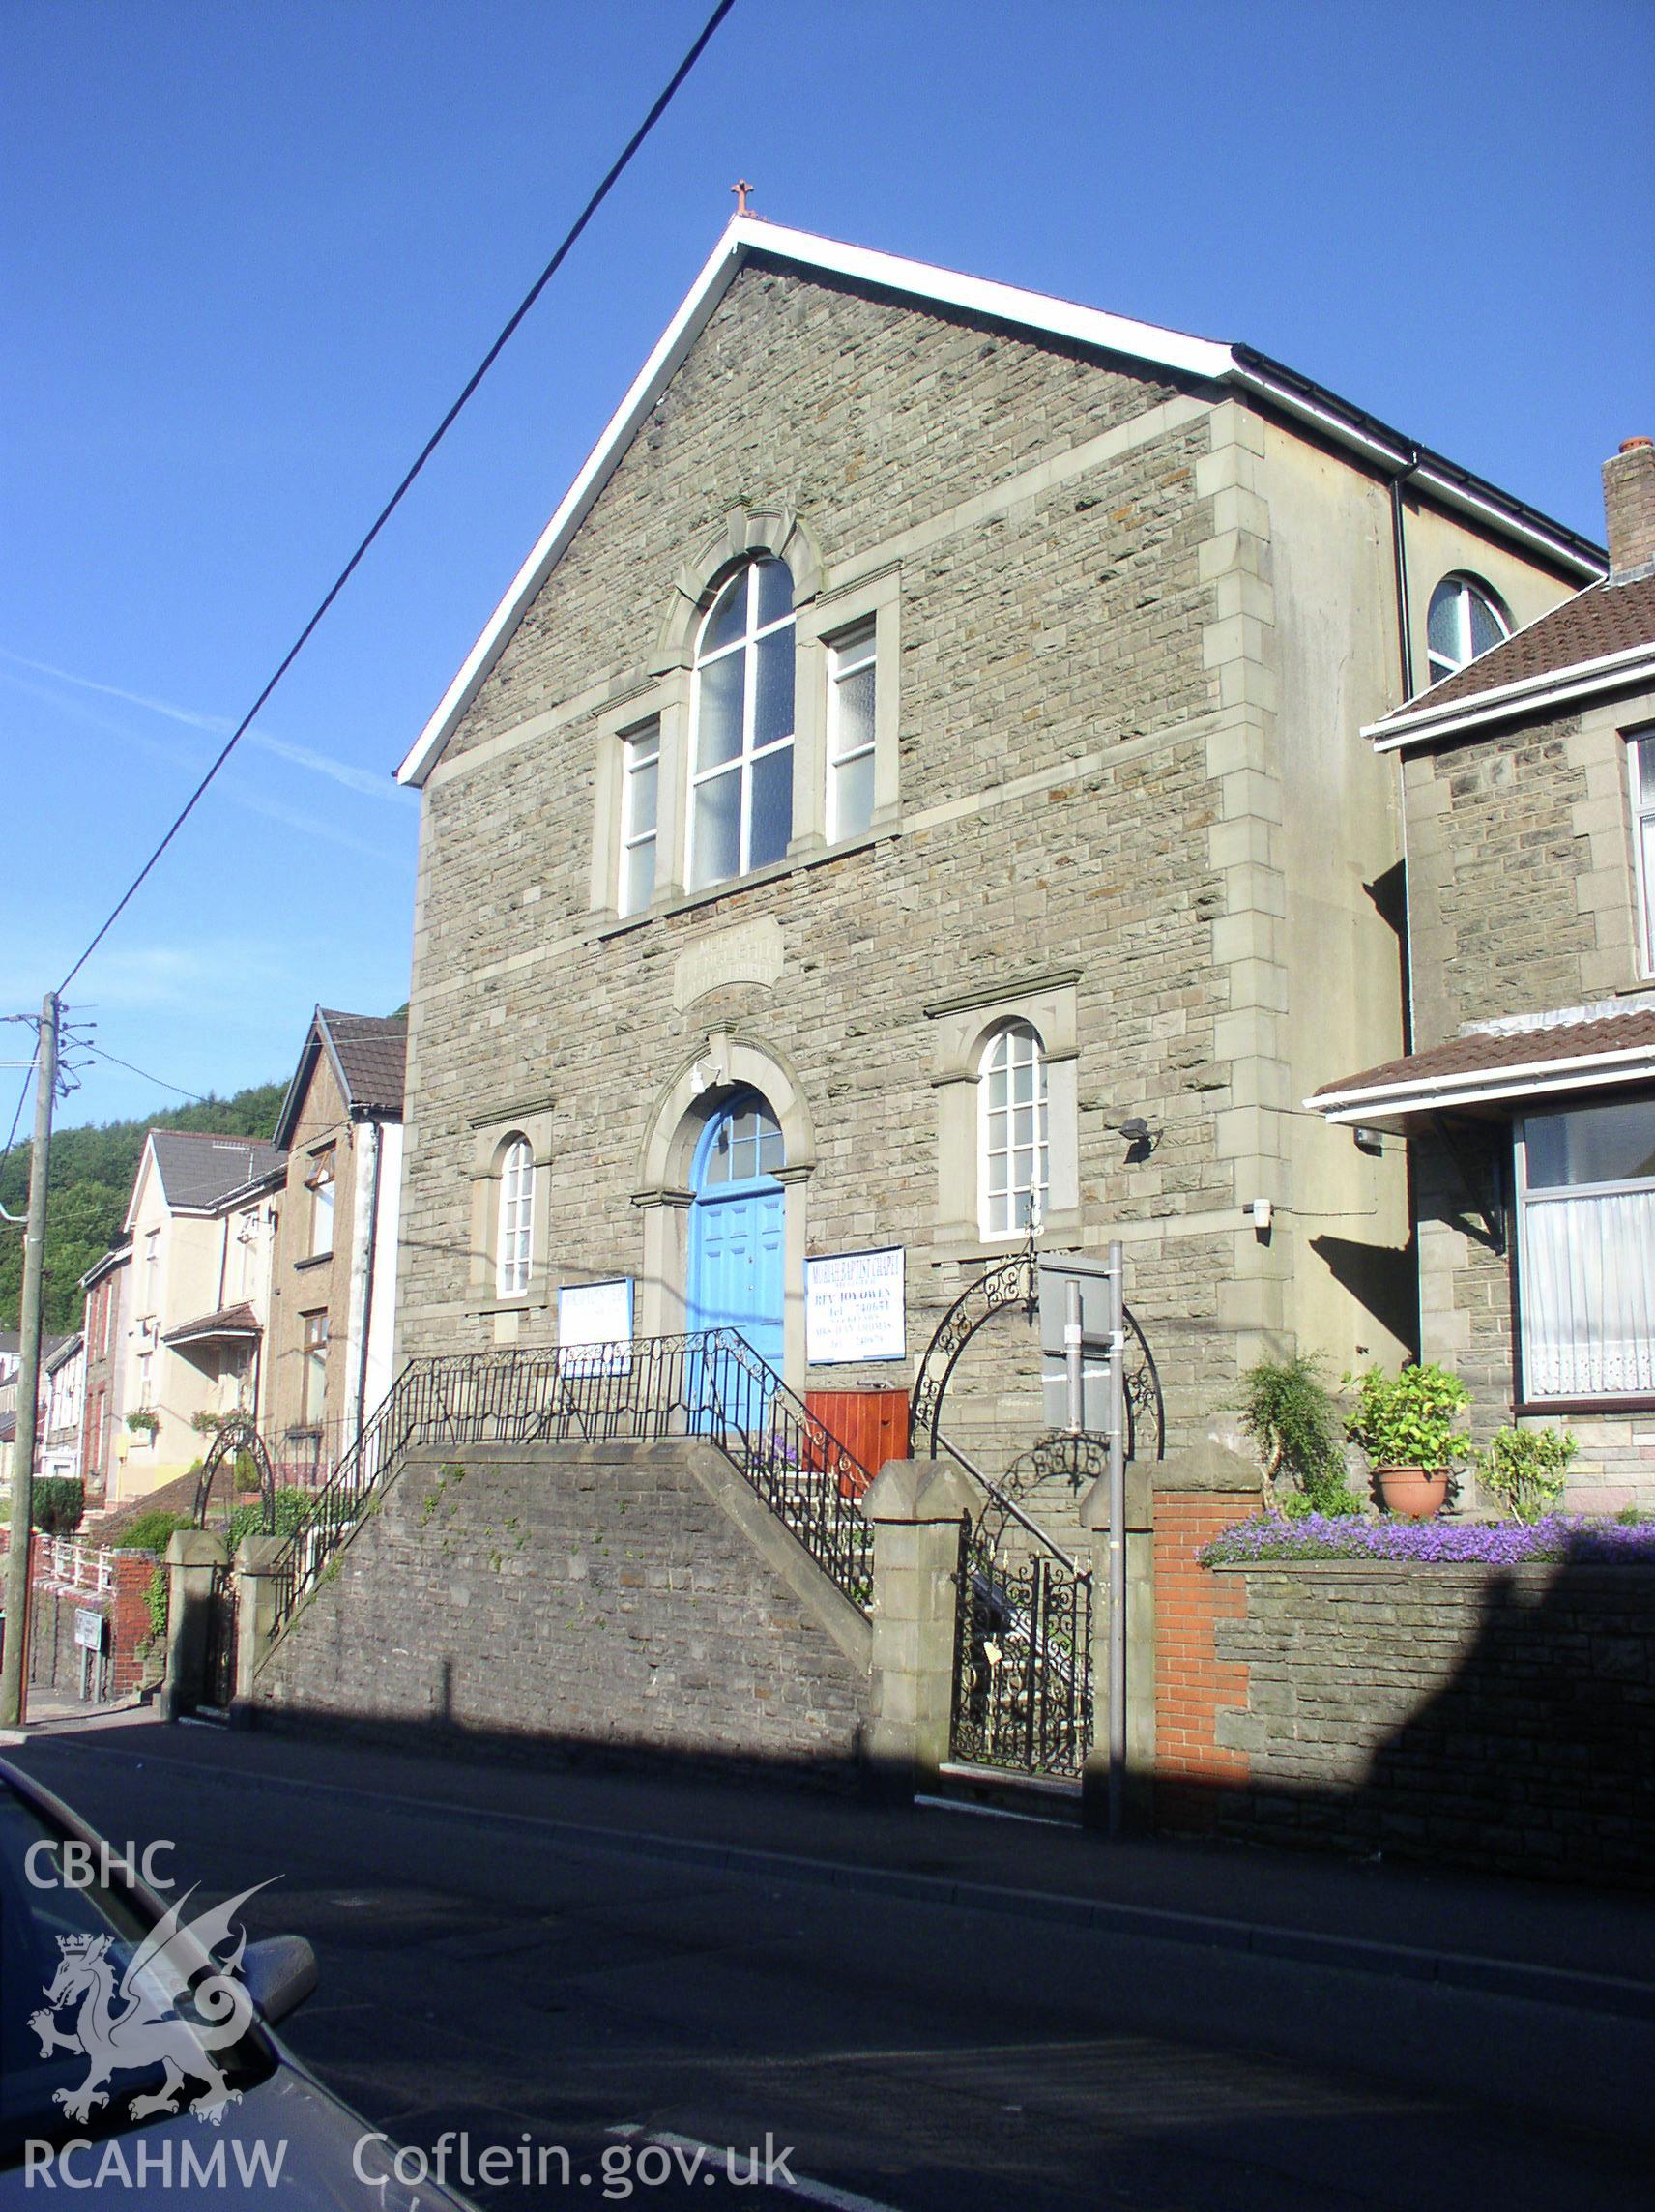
x=53, y=1348
x=332, y=1304
x=908, y=786
x=1527, y=1098
x=104, y=1330
x=200, y=1228
x=62, y=1389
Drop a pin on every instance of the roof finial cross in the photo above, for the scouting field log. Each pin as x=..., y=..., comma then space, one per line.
x=740, y=188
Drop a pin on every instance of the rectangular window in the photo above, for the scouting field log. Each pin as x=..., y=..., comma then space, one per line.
x=1586, y=1256
x=315, y=1396
x=146, y=1361
x=1641, y=750
x=851, y=733
x=641, y=768
x=320, y=1184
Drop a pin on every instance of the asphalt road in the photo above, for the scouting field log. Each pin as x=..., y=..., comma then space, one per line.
x=483, y=1979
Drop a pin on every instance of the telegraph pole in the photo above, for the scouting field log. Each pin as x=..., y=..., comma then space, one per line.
x=14, y=1664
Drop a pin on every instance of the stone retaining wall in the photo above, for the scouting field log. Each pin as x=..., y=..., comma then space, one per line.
x=1501, y=1717
x=634, y=1597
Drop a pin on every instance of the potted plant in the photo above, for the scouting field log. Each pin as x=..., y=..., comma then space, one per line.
x=144, y=1421
x=1525, y=1469
x=1407, y=1424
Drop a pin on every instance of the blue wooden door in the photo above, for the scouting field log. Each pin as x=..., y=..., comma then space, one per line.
x=736, y=1271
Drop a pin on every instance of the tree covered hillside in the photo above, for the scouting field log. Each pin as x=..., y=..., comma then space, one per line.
x=91, y=1181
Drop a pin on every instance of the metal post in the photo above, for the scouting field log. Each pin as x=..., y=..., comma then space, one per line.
x=1116, y=1539
x=1073, y=1370
x=14, y=1665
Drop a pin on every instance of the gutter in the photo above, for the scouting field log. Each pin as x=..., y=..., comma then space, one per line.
x=1525, y=695
x=377, y=1140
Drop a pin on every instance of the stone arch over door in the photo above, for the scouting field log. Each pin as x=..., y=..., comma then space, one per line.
x=723, y=1065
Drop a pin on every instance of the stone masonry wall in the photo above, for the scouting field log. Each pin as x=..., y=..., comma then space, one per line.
x=1495, y=921
x=1503, y=1718
x=1068, y=629
x=581, y=1597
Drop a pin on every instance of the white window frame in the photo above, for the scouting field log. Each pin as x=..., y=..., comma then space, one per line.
x=741, y=763
x=640, y=750
x=853, y=651
x=1550, y=1196
x=323, y=1177
x=1437, y=665
x=514, y=1220
x=1642, y=785
x=313, y=1344
x=1001, y=1212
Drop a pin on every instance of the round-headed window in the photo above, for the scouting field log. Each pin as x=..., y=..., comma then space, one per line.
x=1014, y=1161
x=740, y=814
x=1465, y=620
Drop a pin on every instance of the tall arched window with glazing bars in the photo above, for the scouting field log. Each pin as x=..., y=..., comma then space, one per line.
x=741, y=799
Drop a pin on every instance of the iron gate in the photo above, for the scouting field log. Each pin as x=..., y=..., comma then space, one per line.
x=218, y=1653
x=1022, y=1689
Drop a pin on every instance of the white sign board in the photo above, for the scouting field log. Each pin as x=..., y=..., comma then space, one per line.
x=590, y=1316
x=854, y=1307
x=88, y=1629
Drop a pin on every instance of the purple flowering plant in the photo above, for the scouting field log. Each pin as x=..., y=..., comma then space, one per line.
x=1559, y=1536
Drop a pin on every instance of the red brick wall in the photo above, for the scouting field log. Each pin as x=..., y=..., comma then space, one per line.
x=1192, y=1684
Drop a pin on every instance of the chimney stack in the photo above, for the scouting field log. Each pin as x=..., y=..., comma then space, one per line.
x=1629, y=506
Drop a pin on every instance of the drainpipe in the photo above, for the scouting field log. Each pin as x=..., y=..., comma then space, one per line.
x=1399, y=559
x=376, y=1140
x=1404, y=647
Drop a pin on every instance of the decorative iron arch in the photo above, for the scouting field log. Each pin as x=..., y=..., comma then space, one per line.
x=237, y=1435
x=1015, y=1281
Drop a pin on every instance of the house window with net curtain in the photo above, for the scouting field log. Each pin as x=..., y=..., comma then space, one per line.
x=513, y=1243
x=1587, y=1255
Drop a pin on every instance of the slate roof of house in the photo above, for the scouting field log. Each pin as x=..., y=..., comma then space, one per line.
x=1605, y=633
x=64, y=1350
x=372, y=1053
x=197, y=1171
x=369, y=1055
x=1210, y=362
x=8, y=1428
x=1507, y=1064
x=230, y=1323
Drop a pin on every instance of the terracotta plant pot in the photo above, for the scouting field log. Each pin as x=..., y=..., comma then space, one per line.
x=1411, y=1492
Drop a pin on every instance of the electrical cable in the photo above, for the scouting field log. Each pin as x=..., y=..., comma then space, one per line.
x=430, y=446
x=194, y=1096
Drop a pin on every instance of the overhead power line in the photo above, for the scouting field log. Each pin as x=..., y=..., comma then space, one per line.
x=611, y=177
x=159, y=1080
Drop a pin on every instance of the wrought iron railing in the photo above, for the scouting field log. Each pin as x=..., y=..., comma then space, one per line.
x=709, y=1384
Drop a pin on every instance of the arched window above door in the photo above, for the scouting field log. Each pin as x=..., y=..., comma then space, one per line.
x=744, y=1141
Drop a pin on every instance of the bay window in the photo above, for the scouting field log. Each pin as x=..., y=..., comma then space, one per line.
x=1587, y=1255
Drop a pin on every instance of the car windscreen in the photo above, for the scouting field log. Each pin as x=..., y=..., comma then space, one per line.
x=93, y=2015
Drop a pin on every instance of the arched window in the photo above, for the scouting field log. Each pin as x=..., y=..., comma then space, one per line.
x=1465, y=620
x=743, y=1141
x=741, y=811
x=1014, y=1174
x=514, y=1240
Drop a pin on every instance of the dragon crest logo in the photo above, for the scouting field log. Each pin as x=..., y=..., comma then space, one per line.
x=127, y=2020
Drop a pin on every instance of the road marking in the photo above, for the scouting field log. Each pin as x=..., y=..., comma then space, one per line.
x=800, y=2185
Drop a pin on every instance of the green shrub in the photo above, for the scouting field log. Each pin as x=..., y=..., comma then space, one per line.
x=149, y=1531
x=1287, y=1411
x=155, y=1598
x=1525, y=1468
x=292, y=1511
x=59, y=1501
x=1409, y=1419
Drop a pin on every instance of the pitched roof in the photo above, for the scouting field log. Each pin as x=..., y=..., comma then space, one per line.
x=1505, y=1063
x=237, y=1324
x=748, y=238
x=368, y=1054
x=197, y=1171
x=1602, y=638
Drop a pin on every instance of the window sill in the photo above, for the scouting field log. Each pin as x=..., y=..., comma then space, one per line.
x=1539, y=1408
x=779, y=871
x=521, y=1302
x=312, y=1260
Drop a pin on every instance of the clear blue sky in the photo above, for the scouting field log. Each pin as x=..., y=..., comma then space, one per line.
x=252, y=253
